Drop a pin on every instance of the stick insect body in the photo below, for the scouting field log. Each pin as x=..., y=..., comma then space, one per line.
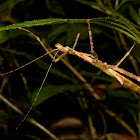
x=108, y=69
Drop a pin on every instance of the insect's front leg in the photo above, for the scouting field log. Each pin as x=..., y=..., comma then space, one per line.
x=62, y=55
x=65, y=51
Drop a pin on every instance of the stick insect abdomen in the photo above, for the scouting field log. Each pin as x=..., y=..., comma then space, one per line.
x=122, y=80
x=129, y=84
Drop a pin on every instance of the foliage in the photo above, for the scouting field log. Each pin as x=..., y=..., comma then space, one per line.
x=115, y=26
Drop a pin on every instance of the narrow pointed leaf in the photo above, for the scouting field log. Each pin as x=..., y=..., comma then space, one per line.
x=50, y=91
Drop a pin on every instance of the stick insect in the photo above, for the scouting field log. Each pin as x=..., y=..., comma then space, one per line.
x=108, y=69
x=92, y=59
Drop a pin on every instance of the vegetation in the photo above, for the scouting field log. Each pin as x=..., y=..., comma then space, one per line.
x=72, y=84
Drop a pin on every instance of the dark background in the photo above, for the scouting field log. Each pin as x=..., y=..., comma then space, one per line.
x=70, y=99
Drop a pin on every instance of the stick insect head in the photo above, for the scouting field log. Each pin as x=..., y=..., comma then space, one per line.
x=61, y=48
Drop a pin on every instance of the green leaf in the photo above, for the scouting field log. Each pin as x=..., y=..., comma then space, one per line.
x=122, y=3
x=136, y=53
x=57, y=8
x=109, y=138
x=123, y=94
x=50, y=91
x=100, y=7
x=3, y=36
x=28, y=136
x=134, y=15
x=6, y=35
x=139, y=11
x=55, y=33
x=40, y=22
x=5, y=116
x=97, y=76
x=132, y=108
x=127, y=100
x=120, y=24
x=66, y=33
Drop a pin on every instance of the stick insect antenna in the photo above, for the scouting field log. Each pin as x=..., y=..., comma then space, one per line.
x=26, y=64
x=37, y=93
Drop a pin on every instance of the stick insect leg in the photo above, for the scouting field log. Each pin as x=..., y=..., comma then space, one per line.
x=91, y=41
x=62, y=55
x=76, y=40
x=66, y=52
x=53, y=58
x=39, y=40
x=125, y=55
x=37, y=94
